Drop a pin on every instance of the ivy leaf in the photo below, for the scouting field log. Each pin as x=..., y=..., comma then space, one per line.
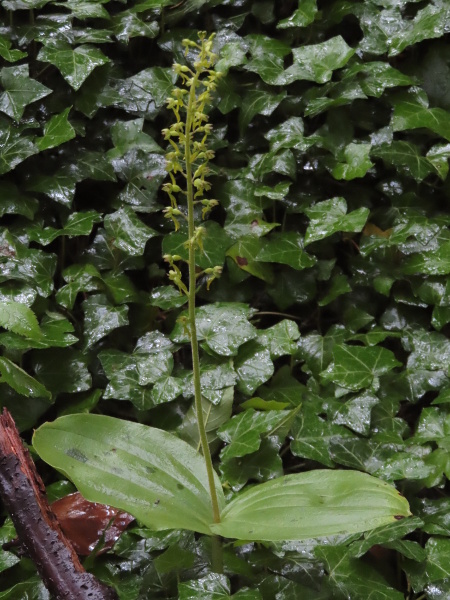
x=258, y=102
x=356, y=367
x=7, y=52
x=243, y=432
x=429, y=263
x=406, y=157
x=267, y=57
x=254, y=366
x=145, y=93
x=130, y=234
x=127, y=25
x=356, y=164
x=75, y=64
x=224, y=327
x=286, y=248
x=57, y=131
x=19, y=91
x=280, y=338
x=215, y=244
x=353, y=578
x=20, y=381
x=411, y=115
x=101, y=317
x=301, y=17
x=14, y=148
x=210, y=587
x=121, y=371
x=243, y=254
x=330, y=216
x=316, y=62
x=62, y=370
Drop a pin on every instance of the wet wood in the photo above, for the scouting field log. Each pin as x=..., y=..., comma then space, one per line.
x=23, y=494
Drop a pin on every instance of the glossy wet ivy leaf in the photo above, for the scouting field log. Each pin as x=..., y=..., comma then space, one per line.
x=210, y=587
x=101, y=317
x=330, y=216
x=355, y=578
x=258, y=102
x=145, y=93
x=310, y=505
x=19, y=90
x=215, y=244
x=14, y=148
x=280, y=338
x=59, y=187
x=128, y=25
x=301, y=17
x=356, y=367
x=224, y=327
x=21, y=381
x=244, y=253
x=129, y=233
x=8, y=53
x=57, y=131
x=75, y=64
x=286, y=248
x=406, y=157
x=267, y=56
x=356, y=162
x=254, y=367
x=167, y=297
x=412, y=115
x=243, y=432
x=158, y=478
x=430, y=263
x=62, y=370
x=317, y=62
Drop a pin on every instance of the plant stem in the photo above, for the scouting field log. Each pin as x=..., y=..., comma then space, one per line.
x=191, y=303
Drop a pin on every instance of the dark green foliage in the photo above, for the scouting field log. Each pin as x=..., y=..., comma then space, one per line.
x=331, y=132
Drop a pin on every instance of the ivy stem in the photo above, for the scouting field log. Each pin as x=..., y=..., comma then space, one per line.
x=191, y=302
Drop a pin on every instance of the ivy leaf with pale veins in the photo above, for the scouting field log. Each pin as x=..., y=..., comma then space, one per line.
x=330, y=216
x=57, y=131
x=357, y=367
x=20, y=90
x=75, y=64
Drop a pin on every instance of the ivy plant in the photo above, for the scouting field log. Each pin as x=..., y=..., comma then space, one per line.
x=323, y=345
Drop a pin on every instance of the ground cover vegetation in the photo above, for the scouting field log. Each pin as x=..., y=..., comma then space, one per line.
x=323, y=343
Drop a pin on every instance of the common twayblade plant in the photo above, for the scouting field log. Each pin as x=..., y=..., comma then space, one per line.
x=159, y=478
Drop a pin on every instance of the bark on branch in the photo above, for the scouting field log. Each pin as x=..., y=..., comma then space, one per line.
x=23, y=494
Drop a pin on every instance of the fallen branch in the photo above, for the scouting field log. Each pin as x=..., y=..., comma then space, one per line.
x=23, y=494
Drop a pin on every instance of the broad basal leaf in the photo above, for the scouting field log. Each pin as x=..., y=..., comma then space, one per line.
x=313, y=504
x=158, y=478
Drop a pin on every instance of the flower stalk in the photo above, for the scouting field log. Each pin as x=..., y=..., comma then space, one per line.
x=188, y=161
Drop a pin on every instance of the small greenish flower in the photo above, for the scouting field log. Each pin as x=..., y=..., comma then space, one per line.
x=189, y=155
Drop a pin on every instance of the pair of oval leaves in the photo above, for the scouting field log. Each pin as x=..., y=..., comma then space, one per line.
x=161, y=480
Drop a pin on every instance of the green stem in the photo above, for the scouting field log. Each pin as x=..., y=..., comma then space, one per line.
x=191, y=304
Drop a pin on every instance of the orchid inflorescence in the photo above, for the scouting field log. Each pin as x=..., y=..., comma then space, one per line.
x=189, y=154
